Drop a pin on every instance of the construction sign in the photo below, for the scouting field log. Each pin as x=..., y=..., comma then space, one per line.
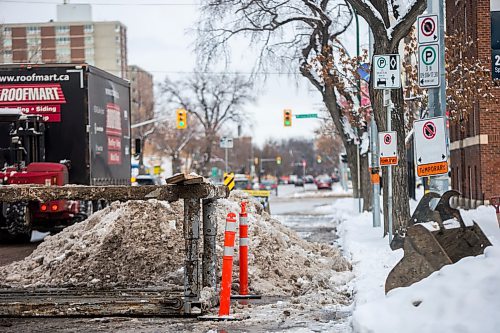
x=388, y=147
x=431, y=151
x=229, y=180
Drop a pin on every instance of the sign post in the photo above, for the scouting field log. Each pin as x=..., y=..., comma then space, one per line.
x=226, y=143
x=387, y=75
x=431, y=68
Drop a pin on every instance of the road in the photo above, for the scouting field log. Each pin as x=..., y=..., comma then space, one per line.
x=305, y=215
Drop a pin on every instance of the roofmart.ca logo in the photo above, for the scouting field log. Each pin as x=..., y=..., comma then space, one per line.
x=34, y=78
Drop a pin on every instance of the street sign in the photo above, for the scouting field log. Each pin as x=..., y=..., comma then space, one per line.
x=388, y=147
x=428, y=66
x=226, y=142
x=229, y=180
x=306, y=115
x=364, y=72
x=387, y=71
x=387, y=97
x=431, y=152
x=428, y=29
x=495, y=59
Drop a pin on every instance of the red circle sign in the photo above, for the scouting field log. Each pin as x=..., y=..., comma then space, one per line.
x=429, y=130
x=387, y=139
x=428, y=27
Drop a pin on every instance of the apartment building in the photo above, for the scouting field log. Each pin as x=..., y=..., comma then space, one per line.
x=73, y=38
x=475, y=143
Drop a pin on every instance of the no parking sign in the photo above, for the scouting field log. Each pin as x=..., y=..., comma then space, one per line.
x=431, y=151
x=388, y=145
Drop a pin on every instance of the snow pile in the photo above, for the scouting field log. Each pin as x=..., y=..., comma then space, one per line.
x=140, y=243
x=280, y=262
x=133, y=243
x=463, y=297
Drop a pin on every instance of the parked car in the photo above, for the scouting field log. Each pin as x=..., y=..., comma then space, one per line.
x=299, y=181
x=309, y=179
x=335, y=178
x=324, y=182
x=142, y=180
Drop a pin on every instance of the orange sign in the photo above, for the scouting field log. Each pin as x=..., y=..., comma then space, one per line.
x=431, y=169
x=393, y=160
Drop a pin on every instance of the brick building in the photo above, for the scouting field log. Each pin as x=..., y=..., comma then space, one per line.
x=475, y=150
x=73, y=38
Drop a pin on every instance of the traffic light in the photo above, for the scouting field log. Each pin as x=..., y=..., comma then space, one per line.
x=318, y=159
x=278, y=160
x=287, y=117
x=343, y=158
x=181, y=119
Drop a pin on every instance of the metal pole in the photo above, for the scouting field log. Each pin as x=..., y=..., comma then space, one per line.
x=358, y=84
x=437, y=96
x=191, y=237
x=375, y=168
x=225, y=152
x=389, y=177
x=358, y=175
x=209, y=259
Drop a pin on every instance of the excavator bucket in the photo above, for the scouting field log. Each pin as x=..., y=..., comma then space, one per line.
x=434, y=238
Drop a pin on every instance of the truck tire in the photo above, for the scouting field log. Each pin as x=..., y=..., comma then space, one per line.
x=18, y=221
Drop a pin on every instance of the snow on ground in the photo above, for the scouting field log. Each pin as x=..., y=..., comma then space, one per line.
x=310, y=191
x=463, y=297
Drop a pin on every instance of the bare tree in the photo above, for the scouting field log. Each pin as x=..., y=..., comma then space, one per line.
x=298, y=36
x=390, y=21
x=213, y=99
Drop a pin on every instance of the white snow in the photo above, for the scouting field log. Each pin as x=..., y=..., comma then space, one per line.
x=463, y=297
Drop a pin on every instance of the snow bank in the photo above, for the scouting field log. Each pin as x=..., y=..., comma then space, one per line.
x=463, y=297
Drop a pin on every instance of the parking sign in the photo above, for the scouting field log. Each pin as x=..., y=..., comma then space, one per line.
x=387, y=71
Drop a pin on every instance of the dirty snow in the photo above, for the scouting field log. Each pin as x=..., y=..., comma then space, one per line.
x=140, y=243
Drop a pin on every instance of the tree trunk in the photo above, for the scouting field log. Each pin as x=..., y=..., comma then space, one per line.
x=351, y=149
x=401, y=207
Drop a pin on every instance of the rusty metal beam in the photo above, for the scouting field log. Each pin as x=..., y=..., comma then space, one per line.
x=82, y=303
x=209, y=258
x=192, y=288
x=14, y=193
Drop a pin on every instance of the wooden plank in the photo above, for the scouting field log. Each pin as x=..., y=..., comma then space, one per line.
x=177, y=178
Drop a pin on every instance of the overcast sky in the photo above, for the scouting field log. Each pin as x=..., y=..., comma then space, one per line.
x=158, y=42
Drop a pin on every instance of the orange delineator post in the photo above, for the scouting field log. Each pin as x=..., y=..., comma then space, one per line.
x=227, y=265
x=244, y=249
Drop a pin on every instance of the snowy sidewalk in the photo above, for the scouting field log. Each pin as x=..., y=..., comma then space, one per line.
x=464, y=297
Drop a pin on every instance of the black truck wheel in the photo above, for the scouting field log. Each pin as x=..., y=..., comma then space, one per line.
x=18, y=221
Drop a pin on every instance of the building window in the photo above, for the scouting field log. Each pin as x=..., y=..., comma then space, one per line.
x=62, y=29
x=36, y=41
x=89, y=40
x=117, y=28
x=88, y=28
x=62, y=40
x=7, y=31
x=7, y=55
x=63, y=54
x=32, y=29
x=7, y=43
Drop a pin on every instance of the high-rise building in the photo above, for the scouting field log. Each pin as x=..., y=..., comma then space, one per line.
x=141, y=94
x=73, y=38
x=475, y=141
